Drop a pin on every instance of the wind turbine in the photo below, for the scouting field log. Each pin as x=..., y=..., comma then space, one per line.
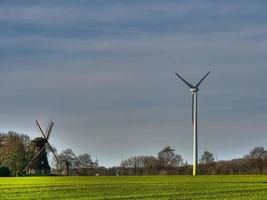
x=194, y=90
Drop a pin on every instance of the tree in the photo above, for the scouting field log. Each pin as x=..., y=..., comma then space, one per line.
x=4, y=172
x=207, y=157
x=15, y=152
x=140, y=165
x=167, y=158
x=257, y=153
x=177, y=161
x=258, y=158
x=139, y=162
x=85, y=161
x=69, y=156
x=150, y=165
x=96, y=164
x=67, y=159
x=133, y=162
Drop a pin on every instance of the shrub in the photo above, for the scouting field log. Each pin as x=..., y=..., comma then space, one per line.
x=4, y=172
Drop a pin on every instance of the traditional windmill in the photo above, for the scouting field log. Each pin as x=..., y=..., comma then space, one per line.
x=39, y=164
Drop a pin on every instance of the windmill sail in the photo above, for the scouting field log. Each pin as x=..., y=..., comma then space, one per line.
x=49, y=129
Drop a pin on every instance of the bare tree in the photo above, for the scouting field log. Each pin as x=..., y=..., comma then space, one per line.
x=207, y=157
x=68, y=160
x=15, y=152
x=258, y=158
x=85, y=161
x=134, y=162
x=69, y=156
x=167, y=158
x=177, y=161
x=257, y=153
x=96, y=164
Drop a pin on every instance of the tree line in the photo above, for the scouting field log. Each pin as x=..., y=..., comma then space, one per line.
x=16, y=151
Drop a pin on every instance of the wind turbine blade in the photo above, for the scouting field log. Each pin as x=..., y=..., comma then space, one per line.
x=51, y=149
x=202, y=79
x=39, y=126
x=34, y=158
x=192, y=108
x=188, y=84
x=49, y=130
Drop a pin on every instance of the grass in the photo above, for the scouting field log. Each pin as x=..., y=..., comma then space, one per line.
x=135, y=187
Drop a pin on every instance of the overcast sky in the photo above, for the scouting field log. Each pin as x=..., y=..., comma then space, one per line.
x=103, y=70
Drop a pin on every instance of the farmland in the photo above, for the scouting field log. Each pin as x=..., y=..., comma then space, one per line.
x=135, y=187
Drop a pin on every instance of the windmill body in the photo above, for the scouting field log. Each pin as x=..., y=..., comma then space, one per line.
x=194, y=90
x=40, y=165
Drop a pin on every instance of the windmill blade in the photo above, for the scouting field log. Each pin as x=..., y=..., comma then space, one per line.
x=49, y=129
x=188, y=84
x=34, y=158
x=51, y=149
x=39, y=126
x=202, y=79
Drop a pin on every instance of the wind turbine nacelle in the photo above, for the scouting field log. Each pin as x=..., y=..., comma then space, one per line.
x=194, y=89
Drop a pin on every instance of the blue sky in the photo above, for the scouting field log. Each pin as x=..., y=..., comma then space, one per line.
x=104, y=72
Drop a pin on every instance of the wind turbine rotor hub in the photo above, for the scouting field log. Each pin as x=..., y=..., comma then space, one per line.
x=194, y=89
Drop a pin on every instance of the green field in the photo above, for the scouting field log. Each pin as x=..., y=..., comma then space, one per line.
x=135, y=187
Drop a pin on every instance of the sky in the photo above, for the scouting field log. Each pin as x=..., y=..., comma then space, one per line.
x=103, y=71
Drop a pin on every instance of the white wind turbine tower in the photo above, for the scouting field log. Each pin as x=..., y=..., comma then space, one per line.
x=194, y=90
